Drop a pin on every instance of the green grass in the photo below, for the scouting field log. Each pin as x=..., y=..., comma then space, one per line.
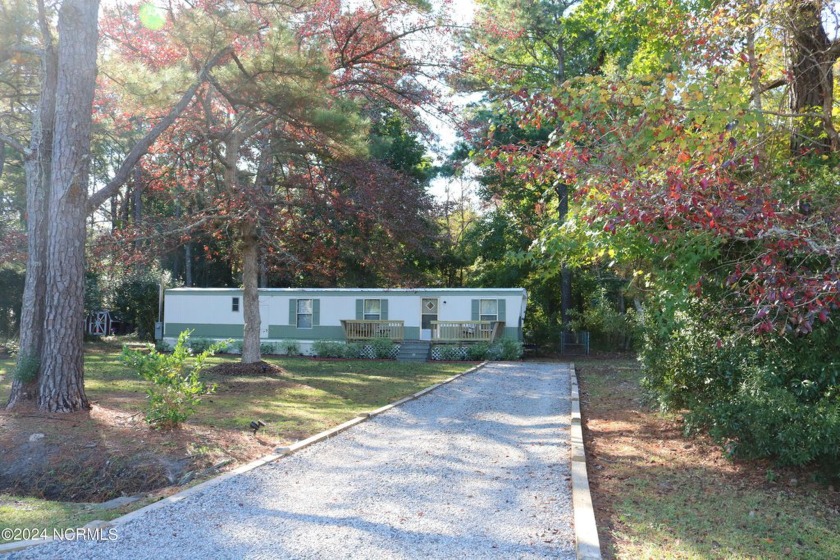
x=309, y=397
x=28, y=514
x=313, y=395
x=676, y=498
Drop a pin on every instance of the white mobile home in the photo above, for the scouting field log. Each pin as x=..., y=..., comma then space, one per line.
x=443, y=315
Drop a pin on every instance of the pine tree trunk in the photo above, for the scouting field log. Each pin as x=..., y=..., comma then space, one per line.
x=37, y=169
x=250, y=248
x=62, y=378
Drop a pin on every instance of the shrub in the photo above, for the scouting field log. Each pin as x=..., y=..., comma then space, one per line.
x=382, y=347
x=289, y=347
x=510, y=349
x=267, y=348
x=356, y=350
x=199, y=345
x=478, y=351
x=770, y=397
x=176, y=387
x=329, y=349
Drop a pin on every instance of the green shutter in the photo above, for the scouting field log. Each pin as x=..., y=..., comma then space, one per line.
x=475, y=310
x=293, y=312
x=501, y=305
x=384, y=309
x=360, y=309
x=316, y=312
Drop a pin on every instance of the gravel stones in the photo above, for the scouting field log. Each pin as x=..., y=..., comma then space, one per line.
x=476, y=469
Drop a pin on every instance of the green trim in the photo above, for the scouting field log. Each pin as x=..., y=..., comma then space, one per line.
x=501, y=306
x=411, y=333
x=383, y=309
x=288, y=332
x=360, y=309
x=475, y=309
x=292, y=312
x=316, y=312
x=204, y=330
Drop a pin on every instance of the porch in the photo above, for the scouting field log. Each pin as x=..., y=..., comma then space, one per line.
x=467, y=331
x=359, y=329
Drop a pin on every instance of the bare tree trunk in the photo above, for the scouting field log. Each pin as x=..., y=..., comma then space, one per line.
x=137, y=202
x=811, y=58
x=188, y=264
x=62, y=379
x=37, y=168
x=250, y=249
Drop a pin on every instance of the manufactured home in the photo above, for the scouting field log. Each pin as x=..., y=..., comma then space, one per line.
x=436, y=315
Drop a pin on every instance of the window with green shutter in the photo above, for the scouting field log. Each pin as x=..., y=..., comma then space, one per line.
x=488, y=310
x=372, y=310
x=304, y=314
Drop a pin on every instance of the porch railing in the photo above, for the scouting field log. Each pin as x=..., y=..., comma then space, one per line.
x=466, y=331
x=368, y=330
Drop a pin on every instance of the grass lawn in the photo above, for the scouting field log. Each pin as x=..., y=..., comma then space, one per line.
x=659, y=495
x=305, y=397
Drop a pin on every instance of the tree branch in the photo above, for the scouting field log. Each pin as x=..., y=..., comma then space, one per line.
x=15, y=144
x=142, y=147
x=767, y=87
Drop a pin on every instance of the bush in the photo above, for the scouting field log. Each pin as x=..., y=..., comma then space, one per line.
x=267, y=348
x=356, y=350
x=199, y=345
x=329, y=349
x=770, y=397
x=382, y=347
x=510, y=349
x=289, y=348
x=478, y=351
x=176, y=387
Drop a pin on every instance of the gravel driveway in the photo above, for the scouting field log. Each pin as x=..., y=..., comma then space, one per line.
x=476, y=469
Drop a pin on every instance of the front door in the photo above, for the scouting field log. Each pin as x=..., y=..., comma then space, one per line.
x=428, y=313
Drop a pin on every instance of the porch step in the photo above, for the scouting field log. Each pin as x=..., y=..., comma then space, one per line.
x=414, y=351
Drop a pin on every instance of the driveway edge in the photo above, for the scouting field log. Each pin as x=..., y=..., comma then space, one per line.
x=588, y=546
x=280, y=452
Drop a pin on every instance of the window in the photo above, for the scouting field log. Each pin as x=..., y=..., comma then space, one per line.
x=234, y=304
x=373, y=310
x=489, y=310
x=304, y=313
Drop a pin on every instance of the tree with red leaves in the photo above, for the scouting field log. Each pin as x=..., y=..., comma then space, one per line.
x=722, y=214
x=277, y=135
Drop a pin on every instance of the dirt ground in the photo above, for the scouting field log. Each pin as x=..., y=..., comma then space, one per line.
x=630, y=446
x=110, y=452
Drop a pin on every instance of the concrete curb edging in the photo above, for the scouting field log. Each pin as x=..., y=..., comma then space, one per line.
x=588, y=546
x=279, y=453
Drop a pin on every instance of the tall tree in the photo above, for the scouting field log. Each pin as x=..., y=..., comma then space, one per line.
x=58, y=204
